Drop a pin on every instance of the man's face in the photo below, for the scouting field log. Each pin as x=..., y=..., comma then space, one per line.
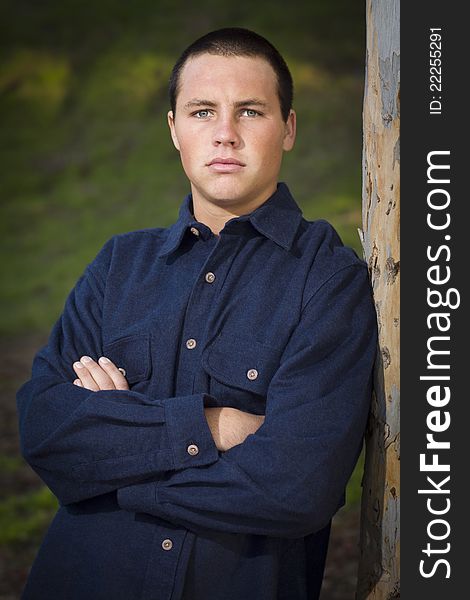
x=229, y=129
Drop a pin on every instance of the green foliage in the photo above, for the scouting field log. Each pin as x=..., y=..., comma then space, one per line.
x=354, y=487
x=24, y=518
x=10, y=464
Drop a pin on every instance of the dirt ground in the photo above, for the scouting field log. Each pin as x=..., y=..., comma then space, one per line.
x=15, y=361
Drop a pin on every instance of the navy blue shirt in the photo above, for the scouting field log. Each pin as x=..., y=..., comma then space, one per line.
x=274, y=316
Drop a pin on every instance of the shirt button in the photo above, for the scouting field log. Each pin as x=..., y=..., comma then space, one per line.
x=210, y=277
x=195, y=231
x=252, y=374
x=192, y=449
x=167, y=544
x=190, y=344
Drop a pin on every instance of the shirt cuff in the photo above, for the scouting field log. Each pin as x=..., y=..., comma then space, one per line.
x=189, y=435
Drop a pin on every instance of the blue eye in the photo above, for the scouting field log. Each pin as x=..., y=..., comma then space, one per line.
x=202, y=114
x=249, y=112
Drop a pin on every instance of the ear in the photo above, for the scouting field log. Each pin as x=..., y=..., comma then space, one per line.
x=290, y=130
x=171, y=125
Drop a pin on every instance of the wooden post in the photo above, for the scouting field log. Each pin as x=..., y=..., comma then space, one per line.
x=379, y=574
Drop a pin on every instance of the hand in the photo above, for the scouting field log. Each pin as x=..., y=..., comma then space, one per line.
x=101, y=375
x=230, y=426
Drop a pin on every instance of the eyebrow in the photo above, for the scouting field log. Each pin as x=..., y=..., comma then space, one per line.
x=198, y=102
x=209, y=103
x=250, y=102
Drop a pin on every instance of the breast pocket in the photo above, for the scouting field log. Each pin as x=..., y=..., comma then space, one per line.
x=240, y=372
x=131, y=353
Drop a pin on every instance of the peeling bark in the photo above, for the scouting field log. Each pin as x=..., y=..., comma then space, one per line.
x=379, y=574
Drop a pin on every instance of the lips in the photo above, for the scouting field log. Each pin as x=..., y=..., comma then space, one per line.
x=226, y=161
x=225, y=165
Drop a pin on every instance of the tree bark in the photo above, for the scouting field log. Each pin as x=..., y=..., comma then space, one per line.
x=379, y=575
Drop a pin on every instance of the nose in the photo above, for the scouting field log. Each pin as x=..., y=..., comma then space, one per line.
x=225, y=132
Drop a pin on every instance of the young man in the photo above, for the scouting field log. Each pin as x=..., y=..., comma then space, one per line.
x=202, y=400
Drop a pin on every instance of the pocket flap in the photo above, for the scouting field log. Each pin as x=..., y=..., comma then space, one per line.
x=131, y=353
x=241, y=363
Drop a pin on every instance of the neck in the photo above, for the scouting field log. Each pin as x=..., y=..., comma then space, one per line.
x=215, y=213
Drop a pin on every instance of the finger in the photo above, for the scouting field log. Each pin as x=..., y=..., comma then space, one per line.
x=78, y=383
x=102, y=379
x=85, y=377
x=116, y=374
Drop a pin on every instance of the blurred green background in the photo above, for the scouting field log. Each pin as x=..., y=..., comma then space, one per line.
x=85, y=153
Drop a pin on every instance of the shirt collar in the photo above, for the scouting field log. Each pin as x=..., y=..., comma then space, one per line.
x=177, y=230
x=278, y=219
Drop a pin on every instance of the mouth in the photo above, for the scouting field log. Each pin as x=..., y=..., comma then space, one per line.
x=225, y=165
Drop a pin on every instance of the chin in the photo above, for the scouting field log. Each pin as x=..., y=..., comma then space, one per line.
x=226, y=193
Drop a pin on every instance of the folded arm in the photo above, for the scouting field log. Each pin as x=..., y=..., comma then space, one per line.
x=228, y=426
x=286, y=479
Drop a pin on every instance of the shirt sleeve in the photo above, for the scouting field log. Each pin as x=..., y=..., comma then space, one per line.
x=83, y=443
x=288, y=478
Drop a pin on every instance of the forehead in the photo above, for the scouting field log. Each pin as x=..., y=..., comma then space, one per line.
x=227, y=76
